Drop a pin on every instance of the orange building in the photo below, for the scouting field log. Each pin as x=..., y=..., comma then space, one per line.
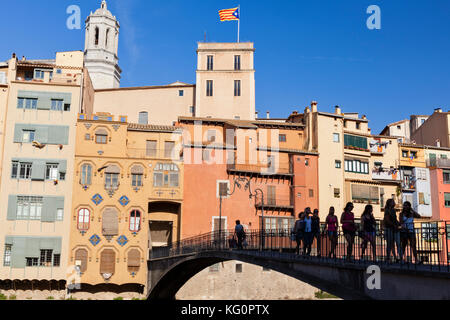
x=440, y=182
x=218, y=152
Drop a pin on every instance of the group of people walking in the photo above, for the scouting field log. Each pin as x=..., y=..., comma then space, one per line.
x=397, y=231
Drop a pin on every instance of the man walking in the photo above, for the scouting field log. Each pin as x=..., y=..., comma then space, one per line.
x=240, y=234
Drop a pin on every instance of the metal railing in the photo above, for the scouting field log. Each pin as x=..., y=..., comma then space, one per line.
x=431, y=248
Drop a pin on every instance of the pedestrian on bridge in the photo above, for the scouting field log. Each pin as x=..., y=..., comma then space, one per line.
x=308, y=234
x=299, y=228
x=408, y=233
x=240, y=234
x=332, y=226
x=349, y=228
x=392, y=231
x=369, y=225
x=315, y=226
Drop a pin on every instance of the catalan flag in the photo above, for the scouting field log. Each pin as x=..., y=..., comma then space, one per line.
x=229, y=14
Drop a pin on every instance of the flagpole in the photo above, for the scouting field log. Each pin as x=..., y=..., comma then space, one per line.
x=239, y=23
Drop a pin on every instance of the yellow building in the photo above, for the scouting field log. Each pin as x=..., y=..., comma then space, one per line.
x=127, y=197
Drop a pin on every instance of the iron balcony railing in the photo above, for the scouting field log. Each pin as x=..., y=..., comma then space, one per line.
x=432, y=240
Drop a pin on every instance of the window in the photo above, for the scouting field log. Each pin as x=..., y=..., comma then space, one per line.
x=446, y=176
x=211, y=135
x=56, y=260
x=414, y=154
x=210, y=63
x=28, y=136
x=107, y=262
x=237, y=63
x=192, y=110
x=32, y=262
x=271, y=195
x=111, y=180
x=311, y=193
x=345, y=123
x=97, y=34
x=134, y=260
x=86, y=175
x=338, y=164
x=7, y=256
x=21, y=170
x=443, y=156
x=83, y=219
x=87, y=137
x=336, y=137
x=106, y=38
x=57, y=105
x=51, y=172
x=205, y=154
x=39, y=74
x=237, y=88
x=27, y=103
x=181, y=93
x=365, y=193
x=447, y=200
x=282, y=138
x=223, y=188
x=46, y=258
x=209, y=88
x=29, y=208
x=136, y=180
x=355, y=142
x=135, y=221
x=151, y=148
x=337, y=192
x=59, y=214
x=430, y=231
x=166, y=175
x=280, y=225
x=405, y=154
x=67, y=107
x=169, y=147
x=238, y=268
x=143, y=117
x=81, y=257
x=358, y=125
x=110, y=222
x=356, y=166
x=101, y=138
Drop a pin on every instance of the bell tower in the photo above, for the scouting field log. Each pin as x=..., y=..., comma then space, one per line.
x=101, y=48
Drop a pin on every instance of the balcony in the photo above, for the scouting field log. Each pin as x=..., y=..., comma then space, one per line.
x=278, y=203
x=261, y=169
x=439, y=163
x=386, y=174
x=409, y=183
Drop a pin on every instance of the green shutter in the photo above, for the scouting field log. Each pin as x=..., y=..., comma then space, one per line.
x=32, y=249
x=38, y=170
x=447, y=196
x=42, y=134
x=18, y=252
x=58, y=135
x=62, y=166
x=12, y=208
x=18, y=129
x=51, y=204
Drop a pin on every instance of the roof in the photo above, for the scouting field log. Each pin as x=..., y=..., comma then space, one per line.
x=170, y=86
x=150, y=128
x=251, y=124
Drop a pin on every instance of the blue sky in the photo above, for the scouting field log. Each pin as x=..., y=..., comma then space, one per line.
x=305, y=50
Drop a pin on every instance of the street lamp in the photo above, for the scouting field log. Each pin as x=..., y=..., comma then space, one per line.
x=221, y=195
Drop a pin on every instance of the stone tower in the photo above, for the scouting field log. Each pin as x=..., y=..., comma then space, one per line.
x=101, y=46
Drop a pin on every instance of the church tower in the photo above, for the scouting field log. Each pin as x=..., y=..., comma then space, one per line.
x=101, y=46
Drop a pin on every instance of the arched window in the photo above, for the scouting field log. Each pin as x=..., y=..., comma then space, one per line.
x=134, y=260
x=83, y=219
x=97, y=34
x=110, y=222
x=135, y=221
x=143, y=117
x=106, y=38
x=112, y=177
x=137, y=173
x=166, y=175
x=101, y=136
x=107, y=263
x=81, y=256
x=86, y=175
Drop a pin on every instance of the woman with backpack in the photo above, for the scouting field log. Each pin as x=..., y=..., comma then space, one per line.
x=331, y=227
x=349, y=228
x=369, y=227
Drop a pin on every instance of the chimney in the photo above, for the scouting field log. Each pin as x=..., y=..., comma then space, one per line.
x=438, y=143
x=307, y=110
x=314, y=106
x=256, y=114
x=23, y=58
x=337, y=110
x=439, y=110
x=364, y=117
x=14, y=55
x=268, y=114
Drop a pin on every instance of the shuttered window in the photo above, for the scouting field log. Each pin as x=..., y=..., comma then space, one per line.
x=169, y=147
x=110, y=222
x=86, y=175
x=160, y=233
x=447, y=200
x=81, y=256
x=134, y=260
x=108, y=262
x=354, y=141
x=271, y=195
x=365, y=193
x=151, y=148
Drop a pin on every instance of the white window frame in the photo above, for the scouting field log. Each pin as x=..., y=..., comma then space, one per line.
x=218, y=182
x=336, y=138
